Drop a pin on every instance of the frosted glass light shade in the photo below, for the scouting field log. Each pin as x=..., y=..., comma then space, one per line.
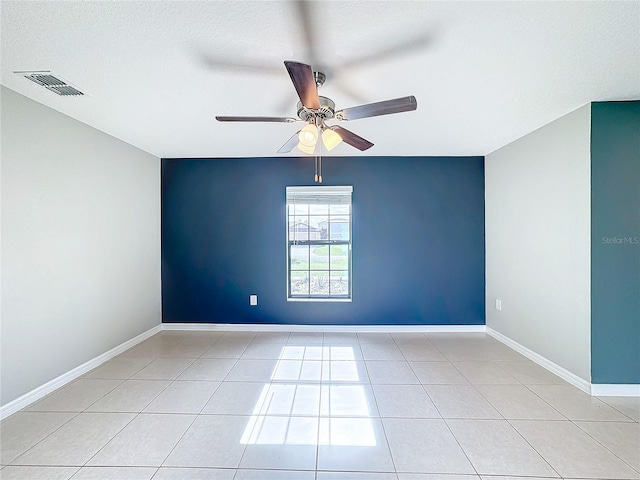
x=306, y=149
x=308, y=136
x=330, y=139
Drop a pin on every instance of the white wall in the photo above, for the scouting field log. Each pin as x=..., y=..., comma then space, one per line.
x=80, y=244
x=537, y=194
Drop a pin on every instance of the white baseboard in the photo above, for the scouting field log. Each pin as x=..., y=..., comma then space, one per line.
x=563, y=373
x=253, y=327
x=615, y=390
x=43, y=390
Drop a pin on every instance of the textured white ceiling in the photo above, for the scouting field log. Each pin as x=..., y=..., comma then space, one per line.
x=484, y=73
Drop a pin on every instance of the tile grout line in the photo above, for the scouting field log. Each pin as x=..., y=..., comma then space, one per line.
x=268, y=386
x=602, y=444
x=620, y=411
x=195, y=417
x=137, y=414
x=460, y=446
x=492, y=406
x=77, y=414
x=534, y=448
x=442, y=416
x=322, y=367
x=114, y=436
x=509, y=422
x=42, y=439
x=384, y=431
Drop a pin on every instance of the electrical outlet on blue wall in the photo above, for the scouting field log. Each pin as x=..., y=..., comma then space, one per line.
x=253, y=300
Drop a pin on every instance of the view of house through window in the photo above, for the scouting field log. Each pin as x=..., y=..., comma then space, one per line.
x=319, y=242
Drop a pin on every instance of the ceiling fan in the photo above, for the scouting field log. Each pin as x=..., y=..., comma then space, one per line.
x=316, y=110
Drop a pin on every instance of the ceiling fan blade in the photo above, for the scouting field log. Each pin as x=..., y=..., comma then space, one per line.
x=304, y=83
x=291, y=143
x=390, y=53
x=352, y=139
x=226, y=64
x=305, y=14
x=352, y=93
x=397, y=105
x=257, y=119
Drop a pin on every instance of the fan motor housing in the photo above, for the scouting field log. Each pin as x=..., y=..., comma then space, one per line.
x=326, y=111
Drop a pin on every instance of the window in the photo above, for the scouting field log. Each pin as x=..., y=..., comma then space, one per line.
x=319, y=243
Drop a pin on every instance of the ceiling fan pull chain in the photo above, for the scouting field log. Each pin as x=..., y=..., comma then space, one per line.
x=315, y=177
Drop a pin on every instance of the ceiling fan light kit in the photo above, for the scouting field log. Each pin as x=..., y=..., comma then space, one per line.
x=307, y=149
x=315, y=110
x=308, y=135
x=330, y=138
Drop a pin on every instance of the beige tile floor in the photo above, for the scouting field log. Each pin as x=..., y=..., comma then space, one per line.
x=307, y=406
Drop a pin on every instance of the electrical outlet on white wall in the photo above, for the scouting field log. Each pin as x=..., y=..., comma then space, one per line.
x=253, y=300
x=498, y=304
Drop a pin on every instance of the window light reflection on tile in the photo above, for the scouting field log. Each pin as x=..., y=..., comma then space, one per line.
x=307, y=353
x=292, y=353
x=263, y=430
x=339, y=353
x=274, y=420
x=347, y=432
x=313, y=353
x=287, y=370
x=297, y=370
x=261, y=403
x=344, y=400
x=292, y=399
x=341, y=371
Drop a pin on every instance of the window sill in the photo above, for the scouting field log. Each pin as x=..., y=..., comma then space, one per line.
x=331, y=300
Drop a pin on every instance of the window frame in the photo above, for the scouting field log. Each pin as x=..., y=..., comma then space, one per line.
x=319, y=192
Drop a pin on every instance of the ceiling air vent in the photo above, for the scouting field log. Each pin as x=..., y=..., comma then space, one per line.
x=51, y=82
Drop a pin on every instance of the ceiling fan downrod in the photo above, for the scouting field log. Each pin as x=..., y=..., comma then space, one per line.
x=320, y=78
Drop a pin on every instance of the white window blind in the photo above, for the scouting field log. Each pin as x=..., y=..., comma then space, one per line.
x=319, y=195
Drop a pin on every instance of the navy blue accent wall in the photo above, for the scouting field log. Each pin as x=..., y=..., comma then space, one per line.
x=418, y=240
x=615, y=242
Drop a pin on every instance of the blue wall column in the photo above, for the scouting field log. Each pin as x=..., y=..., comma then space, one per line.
x=615, y=243
x=418, y=240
